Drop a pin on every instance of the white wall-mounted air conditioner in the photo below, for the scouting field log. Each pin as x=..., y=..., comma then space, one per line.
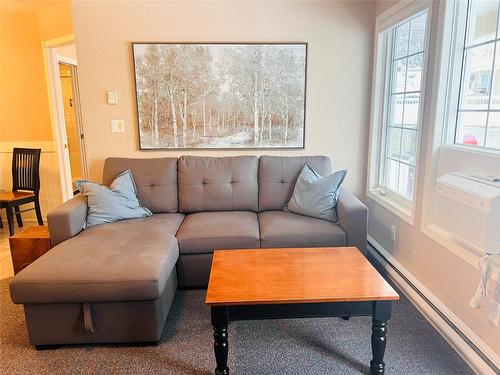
x=467, y=208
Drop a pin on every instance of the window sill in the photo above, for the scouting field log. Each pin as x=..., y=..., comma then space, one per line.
x=473, y=150
x=468, y=255
x=402, y=211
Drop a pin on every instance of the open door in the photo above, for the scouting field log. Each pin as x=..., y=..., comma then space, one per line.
x=74, y=134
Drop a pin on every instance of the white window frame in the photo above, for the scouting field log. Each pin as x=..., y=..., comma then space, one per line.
x=395, y=203
x=443, y=99
x=456, y=16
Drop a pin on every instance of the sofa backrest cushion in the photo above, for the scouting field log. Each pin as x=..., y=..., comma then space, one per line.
x=218, y=183
x=156, y=180
x=278, y=174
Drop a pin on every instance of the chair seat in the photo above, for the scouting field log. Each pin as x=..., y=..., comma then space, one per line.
x=204, y=232
x=285, y=229
x=12, y=196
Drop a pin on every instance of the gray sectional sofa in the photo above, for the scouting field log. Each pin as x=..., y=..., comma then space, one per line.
x=116, y=282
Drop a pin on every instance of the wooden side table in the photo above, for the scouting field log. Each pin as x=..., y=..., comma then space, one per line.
x=29, y=245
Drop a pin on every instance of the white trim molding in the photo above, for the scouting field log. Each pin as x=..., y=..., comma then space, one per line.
x=438, y=314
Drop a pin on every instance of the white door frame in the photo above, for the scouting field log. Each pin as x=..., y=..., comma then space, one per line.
x=56, y=107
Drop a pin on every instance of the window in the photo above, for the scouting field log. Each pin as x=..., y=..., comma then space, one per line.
x=397, y=107
x=477, y=120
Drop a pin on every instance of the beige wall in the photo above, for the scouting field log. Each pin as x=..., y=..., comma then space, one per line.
x=340, y=38
x=444, y=273
x=383, y=5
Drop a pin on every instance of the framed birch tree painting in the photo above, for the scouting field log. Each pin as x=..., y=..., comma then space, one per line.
x=220, y=95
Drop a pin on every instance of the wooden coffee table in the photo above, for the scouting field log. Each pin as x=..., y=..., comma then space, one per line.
x=297, y=283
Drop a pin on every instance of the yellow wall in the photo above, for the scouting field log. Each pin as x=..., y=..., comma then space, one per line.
x=24, y=103
x=24, y=108
x=24, y=114
x=55, y=21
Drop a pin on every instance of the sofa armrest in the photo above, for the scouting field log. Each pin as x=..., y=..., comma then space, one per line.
x=353, y=218
x=67, y=220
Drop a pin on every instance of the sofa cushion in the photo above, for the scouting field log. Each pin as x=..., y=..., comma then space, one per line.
x=286, y=229
x=127, y=260
x=218, y=184
x=278, y=174
x=204, y=232
x=156, y=180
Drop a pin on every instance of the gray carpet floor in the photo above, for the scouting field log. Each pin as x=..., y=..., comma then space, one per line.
x=295, y=346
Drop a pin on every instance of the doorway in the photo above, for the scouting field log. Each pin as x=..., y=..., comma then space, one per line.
x=68, y=131
x=73, y=130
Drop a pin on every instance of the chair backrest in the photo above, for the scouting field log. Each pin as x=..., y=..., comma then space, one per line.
x=26, y=169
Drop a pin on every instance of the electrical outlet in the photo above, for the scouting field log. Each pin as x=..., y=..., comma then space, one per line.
x=393, y=233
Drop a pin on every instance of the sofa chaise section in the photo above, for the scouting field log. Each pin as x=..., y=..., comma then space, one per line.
x=112, y=282
x=111, y=270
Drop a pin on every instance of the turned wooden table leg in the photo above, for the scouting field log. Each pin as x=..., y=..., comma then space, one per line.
x=219, y=324
x=379, y=331
x=382, y=313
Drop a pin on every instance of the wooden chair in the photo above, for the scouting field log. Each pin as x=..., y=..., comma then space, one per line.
x=25, y=186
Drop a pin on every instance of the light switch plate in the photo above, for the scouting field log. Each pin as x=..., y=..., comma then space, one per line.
x=111, y=97
x=117, y=126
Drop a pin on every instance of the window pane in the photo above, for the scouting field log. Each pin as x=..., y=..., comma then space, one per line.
x=393, y=142
x=482, y=21
x=391, y=175
x=397, y=104
x=412, y=102
x=495, y=94
x=417, y=34
x=409, y=146
x=471, y=128
x=477, y=77
x=401, y=40
x=414, y=75
x=399, y=68
x=406, y=181
x=493, y=133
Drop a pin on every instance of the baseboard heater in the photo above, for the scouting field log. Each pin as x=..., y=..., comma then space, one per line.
x=457, y=330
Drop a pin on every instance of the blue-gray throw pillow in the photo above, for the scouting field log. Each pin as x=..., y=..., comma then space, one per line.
x=316, y=196
x=118, y=202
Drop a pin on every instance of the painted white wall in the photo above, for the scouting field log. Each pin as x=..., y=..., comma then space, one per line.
x=339, y=36
x=449, y=277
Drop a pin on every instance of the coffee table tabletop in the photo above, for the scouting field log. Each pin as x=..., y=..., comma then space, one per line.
x=303, y=275
x=297, y=283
